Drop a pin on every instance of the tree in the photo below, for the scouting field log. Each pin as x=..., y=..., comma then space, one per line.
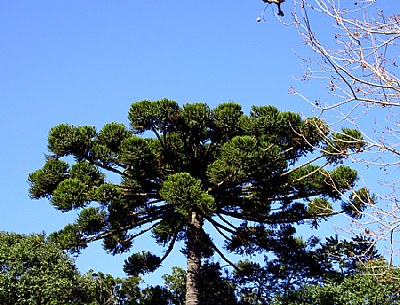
x=296, y=263
x=243, y=174
x=33, y=272
x=104, y=289
x=375, y=283
x=293, y=270
x=218, y=288
x=355, y=46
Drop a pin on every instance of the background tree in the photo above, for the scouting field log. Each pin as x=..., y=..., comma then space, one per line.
x=355, y=47
x=33, y=272
x=243, y=174
x=296, y=264
x=217, y=285
x=375, y=283
x=293, y=271
x=104, y=289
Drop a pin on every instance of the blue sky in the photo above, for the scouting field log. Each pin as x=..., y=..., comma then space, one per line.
x=85, y=62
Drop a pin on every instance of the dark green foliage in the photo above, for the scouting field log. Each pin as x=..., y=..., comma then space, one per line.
x=347, y=256
x=217, y=288
x=319, y=206
x=104, y=289
x=112, y=135
x=70, y=194
x=340, y=144
x=359, y=200
x=226, y=121
x=107, y=193
x=185, y=193
x=159, y=116
x=200, y=165
x=154, y=295
x=374, y=284
x=296, y=267
x=44, y=181
x=140, y=263
x=91, y=220
x=67, y=140
x=33, y=271
x=87, y=173
x=295, y=263
x=70, y=237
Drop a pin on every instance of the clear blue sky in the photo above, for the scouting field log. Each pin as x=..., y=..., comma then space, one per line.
x=85, y=62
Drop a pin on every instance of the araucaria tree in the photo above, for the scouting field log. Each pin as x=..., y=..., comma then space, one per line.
x=251, y=177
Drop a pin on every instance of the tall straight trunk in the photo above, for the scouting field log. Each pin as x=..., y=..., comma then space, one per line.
x=193, y=260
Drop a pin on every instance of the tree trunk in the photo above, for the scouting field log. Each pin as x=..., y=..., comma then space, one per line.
x=193, y=260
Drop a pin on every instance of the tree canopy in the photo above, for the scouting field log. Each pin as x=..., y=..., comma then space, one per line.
x=33, y=272
x=251, y=177
x=374, y=283
x=351, y=271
